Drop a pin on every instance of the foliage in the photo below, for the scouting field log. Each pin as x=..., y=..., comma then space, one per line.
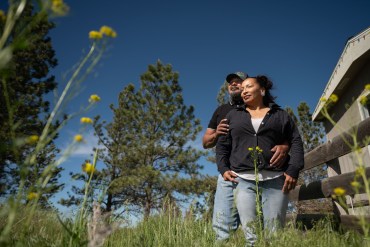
x=169, y=230
x=28, y=150
x=25, y=81
x=223, y=95
x=147, y=153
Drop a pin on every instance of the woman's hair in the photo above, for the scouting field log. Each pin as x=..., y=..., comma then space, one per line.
x=267, y=84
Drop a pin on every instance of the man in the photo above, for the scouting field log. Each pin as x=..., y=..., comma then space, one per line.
x=225, y=215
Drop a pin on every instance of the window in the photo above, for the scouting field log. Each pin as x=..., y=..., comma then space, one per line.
x=367, y=106
x=364, y=108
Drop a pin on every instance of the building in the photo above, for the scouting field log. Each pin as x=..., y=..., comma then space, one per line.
x=348, y=81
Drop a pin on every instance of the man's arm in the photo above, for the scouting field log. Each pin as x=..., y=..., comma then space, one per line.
x=280, y=154
x=211, y=135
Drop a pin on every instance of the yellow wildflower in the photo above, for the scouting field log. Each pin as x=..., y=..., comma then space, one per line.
x=333, y=98
x=78, y=138
x=32, y=139
x=250, y=149
x=86, y=120
x=363, y=100
x=360, y=171
x=59, y=7
x=367, y=87
x=323, y=99
x=94, y=98
x=108, y=31
x=32, y=196
x=355, y=184
x=339, y=191
x=2, y=15
x=95, y=35
x=259, y=149
x=88, y=168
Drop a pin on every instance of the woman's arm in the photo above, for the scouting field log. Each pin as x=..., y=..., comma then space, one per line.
x=296, y=161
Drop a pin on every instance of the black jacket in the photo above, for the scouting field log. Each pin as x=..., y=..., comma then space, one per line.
x=277, y=126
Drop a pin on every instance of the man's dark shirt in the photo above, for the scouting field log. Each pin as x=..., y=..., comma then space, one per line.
x=220, y=113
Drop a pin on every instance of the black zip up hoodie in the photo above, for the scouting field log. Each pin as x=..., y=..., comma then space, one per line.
x=233, y=150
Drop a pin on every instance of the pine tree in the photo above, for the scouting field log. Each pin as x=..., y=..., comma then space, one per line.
x=153, y=127
x=25, y=82
x=223, y=95
x=149, y=162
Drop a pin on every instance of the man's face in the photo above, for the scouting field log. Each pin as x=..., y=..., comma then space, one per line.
x=234, y=86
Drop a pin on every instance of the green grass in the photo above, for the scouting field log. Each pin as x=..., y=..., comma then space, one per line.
x=167, y=231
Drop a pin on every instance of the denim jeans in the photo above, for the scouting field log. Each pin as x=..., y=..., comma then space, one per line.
x=274, y=205
x=225, y=215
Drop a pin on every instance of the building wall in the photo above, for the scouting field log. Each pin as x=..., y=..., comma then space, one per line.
x=348, y=112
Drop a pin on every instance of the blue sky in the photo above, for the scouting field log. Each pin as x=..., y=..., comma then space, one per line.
x=296, y=43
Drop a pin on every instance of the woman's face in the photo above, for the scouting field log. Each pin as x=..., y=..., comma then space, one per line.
x=252, y=92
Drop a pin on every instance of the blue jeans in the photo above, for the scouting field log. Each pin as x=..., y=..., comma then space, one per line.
x=274, y=204
x=225, y=215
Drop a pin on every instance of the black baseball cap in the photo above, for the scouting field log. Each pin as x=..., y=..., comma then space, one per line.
x=241, y=75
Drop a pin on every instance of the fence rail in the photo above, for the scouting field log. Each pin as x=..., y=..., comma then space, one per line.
x=326, y=152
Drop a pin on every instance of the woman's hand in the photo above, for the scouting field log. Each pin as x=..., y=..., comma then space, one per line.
x=289, y=183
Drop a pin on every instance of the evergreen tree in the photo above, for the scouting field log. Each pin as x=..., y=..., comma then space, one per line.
x=149, y=161
x=223, y=94
x=312, y=132
x=23, y=109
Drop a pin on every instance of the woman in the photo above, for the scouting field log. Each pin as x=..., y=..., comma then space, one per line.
x=263, y=124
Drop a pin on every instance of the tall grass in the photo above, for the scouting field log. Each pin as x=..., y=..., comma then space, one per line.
x=166, y=230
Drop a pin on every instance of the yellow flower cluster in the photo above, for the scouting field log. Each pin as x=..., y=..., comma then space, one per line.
x=32, y=196
x=367, y=87
x=258, y=149
x=108, y=31
x=360, y=171
x=86, y=120
x=363, y=100
x=339, y=191
x=2, y=15
x=94, y=98
x=95, y=35
x=104, y=31
x=78, y=138
x=88, y=168
x=333, y=98
x=355, y=184
x=59, y=7
x=32, y=139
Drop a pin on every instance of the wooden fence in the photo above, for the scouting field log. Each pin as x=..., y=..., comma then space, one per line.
x=324, y=189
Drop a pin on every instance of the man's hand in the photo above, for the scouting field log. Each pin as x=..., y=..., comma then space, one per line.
x=229, y=176
x=280, y=155
x=222, y=128
x=211, y=135
x=289, y=183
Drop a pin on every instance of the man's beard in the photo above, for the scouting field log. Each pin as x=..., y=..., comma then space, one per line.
x=236, y=97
